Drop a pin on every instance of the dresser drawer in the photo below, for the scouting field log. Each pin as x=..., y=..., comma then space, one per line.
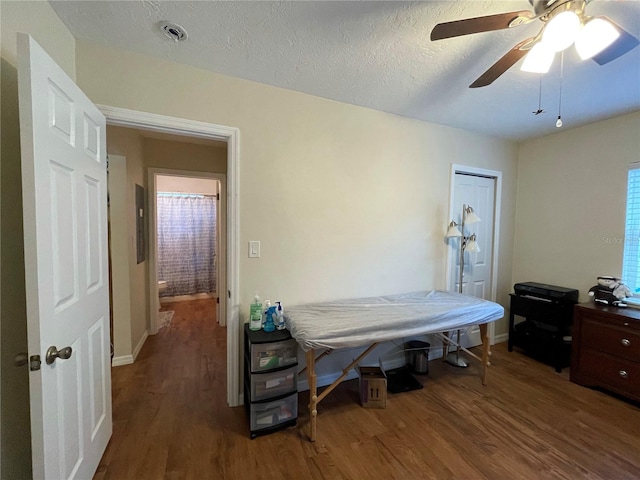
x=269, y=414
x=611, y=338
x=273, y=384
x=266, y=356
x=613, y=373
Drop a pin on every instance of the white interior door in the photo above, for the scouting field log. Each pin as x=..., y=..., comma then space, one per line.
x=65, y=234
x=479, y=193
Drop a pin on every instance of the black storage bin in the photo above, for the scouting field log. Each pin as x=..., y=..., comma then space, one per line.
x=417, y=353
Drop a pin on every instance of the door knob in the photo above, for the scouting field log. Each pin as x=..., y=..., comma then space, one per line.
x=53, y=353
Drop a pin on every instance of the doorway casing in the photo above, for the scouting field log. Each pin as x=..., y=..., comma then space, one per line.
x=190, y=128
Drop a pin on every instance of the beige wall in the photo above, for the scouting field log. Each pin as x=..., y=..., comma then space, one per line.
x=119, y=246
x=130, y=144
x=39, y=20
x=203, y=186
x=184, y=156
x=346, y=201
x=571, y=203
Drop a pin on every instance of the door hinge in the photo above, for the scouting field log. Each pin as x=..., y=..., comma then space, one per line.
x=217, y=196
x=217, y=299
x=229, y=293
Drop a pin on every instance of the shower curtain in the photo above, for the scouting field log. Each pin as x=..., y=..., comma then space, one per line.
x=186, y=243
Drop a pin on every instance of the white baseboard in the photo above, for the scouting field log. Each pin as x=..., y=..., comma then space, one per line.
x=136, y=350
x=187, y=298
x=129, y=359
x=122, y=360
x=329, y=378
x=503, y=337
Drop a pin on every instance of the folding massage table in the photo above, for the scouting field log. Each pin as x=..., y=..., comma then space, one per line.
x=327, y=326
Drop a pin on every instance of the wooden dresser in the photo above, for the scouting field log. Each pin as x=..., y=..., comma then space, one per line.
x=606, y=348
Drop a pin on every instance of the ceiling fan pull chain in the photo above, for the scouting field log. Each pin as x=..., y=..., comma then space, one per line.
x=540, y=110
x=559, y=121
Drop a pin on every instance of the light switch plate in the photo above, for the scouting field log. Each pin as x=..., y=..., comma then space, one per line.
x=254, y=249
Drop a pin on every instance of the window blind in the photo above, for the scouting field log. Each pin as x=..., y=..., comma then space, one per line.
x=631, y=256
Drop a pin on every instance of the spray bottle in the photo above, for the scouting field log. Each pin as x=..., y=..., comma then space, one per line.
x=280, y=317
x=263, y=313
x=269, y=325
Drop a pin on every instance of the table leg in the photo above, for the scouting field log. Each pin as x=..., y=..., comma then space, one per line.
x=445, y=346
x=313, y=397
x=486, y=351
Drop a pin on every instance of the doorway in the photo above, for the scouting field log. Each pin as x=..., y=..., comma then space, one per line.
x=188, y=236
x=480, y=189
x=177, y=126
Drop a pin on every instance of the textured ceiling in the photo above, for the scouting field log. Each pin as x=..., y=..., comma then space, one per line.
x=378, y=55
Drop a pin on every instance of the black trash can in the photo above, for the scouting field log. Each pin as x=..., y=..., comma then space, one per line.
x=417, y=353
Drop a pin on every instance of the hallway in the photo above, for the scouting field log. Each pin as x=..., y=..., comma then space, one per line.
x=170, y=413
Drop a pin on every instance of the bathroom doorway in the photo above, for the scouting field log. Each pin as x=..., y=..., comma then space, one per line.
x=186, y=235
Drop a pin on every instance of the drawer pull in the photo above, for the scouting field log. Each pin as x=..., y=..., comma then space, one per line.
x=625, y=342
x=623, y=373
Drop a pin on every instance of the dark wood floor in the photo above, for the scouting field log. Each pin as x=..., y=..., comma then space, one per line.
x=171, y=421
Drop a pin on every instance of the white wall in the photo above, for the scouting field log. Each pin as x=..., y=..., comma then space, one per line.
x=571, y=203
x=39, y=20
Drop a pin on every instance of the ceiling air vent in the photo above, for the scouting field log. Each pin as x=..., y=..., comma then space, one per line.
x=173, y=31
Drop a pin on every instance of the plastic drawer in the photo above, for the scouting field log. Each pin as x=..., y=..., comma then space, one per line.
x=273, y=384
x=271, y=414
x=265, y=356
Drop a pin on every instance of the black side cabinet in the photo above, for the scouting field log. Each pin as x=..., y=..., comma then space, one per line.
x=545, y=333
x=270, y=380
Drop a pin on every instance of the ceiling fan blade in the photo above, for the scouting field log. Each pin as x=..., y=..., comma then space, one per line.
x=489, y=23
x=504, y=64
x=625, y=43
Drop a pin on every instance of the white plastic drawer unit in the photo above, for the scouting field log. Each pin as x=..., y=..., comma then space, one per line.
x=267, y=385
x=270, y=414
x=266, y=356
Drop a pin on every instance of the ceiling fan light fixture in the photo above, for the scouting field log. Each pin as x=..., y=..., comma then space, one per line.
x=539, y=59
x=596, y=35
x=561, y=31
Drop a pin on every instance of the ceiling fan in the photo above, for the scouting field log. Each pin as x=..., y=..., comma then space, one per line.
x=565, y=23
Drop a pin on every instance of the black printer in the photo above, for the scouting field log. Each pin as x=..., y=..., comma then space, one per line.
x=543, y=291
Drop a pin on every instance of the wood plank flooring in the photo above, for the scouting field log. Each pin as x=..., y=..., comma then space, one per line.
x=171, y=421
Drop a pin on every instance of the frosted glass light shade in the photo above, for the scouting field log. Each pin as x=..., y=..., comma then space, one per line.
x=453, y=230
x=471, y=216
x=596, y=35
x=472, y=246
x=561, y=31
x=539, y=59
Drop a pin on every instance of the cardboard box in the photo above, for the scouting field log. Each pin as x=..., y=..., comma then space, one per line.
x=373, y=387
